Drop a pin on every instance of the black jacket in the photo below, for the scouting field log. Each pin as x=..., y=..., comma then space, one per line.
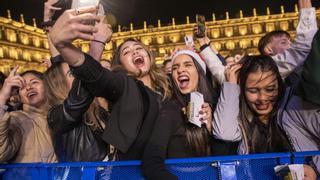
x=169, y=140
x=74, y=140
x=134, y=111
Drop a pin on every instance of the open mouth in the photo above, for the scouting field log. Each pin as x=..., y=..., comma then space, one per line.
x=183, y=81
x=31, y=94
x=138, y=61
x=262, y=107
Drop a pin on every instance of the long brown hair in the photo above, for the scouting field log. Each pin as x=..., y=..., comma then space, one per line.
x=58, y=90
x=276, y=141
x=198, y=139
x=56, y=83
x=159, y=80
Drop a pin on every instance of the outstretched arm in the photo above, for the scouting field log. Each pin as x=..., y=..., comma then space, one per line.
x=101, y=37
x=210, y=56
x=72, y=25
x=48, y=12
x=64, y=117
x=300, y=48
x=225, y=124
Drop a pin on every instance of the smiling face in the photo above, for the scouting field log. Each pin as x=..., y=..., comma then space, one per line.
x=33, y=93
x=134, y=58
x=185, y=74
x=261, y=92
x=279, y=44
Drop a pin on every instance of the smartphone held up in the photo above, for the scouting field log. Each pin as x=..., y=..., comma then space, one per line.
x=201, y=32
x=83, y=4
x=77, y=4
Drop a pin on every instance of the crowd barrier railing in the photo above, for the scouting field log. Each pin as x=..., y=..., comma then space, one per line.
x=254, y=166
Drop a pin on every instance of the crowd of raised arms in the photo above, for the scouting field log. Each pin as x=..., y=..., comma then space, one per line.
x=84, y=108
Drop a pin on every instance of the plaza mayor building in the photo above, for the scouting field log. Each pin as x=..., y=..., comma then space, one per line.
x=27, y=44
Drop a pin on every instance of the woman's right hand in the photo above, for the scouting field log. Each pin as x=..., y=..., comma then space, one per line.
x=201, y=41
x=11, y=81
x=73, y=24
x=232, y=72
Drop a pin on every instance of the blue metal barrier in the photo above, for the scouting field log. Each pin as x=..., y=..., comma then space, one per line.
x=304, y=157
x=256, y=166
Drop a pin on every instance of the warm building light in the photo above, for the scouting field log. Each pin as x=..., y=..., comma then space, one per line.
x=270, y=27
x=228, y=31
x=243, y=30
x=256, y=28
x=26, y=56
x=36, y=41
x=160, y=39
x=215, y=33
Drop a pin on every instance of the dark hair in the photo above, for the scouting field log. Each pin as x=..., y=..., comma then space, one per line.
x=198, y=139
x=166, y=61
x=33, y=72
x=40, y=76
x=276, y=141
x=267, y=38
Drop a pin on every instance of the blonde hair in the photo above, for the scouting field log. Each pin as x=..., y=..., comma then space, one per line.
x=159, y=79
x=57, y=84
x=58, y=89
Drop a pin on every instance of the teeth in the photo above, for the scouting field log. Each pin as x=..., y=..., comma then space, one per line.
x=31, y=94
x=183, y=78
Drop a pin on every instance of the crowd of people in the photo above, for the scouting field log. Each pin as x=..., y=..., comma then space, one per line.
x=86, y=109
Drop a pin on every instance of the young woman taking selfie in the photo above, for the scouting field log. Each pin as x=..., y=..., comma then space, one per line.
x=137, y=79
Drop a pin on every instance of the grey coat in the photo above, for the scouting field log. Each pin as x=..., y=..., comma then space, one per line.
x=299, y=119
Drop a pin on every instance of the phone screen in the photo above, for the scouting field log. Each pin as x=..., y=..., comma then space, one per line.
x=76, y=4
x=83, y=3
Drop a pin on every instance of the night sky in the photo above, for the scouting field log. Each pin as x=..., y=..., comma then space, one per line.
x=137, y=11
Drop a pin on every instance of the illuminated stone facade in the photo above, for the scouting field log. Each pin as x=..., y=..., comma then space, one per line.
x=27, y=45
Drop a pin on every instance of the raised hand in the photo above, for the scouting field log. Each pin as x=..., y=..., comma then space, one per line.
x=11, y=81
x=201, y=41
x=104, y=33
x=73, y=24
x=46, y=62
x=232, y=72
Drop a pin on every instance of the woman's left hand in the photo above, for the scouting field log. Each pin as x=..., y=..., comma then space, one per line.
x=104, y=33
x=206, y=113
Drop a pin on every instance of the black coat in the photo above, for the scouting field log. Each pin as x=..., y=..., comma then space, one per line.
x=169, y=141
x=74, y=140
x=134, y=111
